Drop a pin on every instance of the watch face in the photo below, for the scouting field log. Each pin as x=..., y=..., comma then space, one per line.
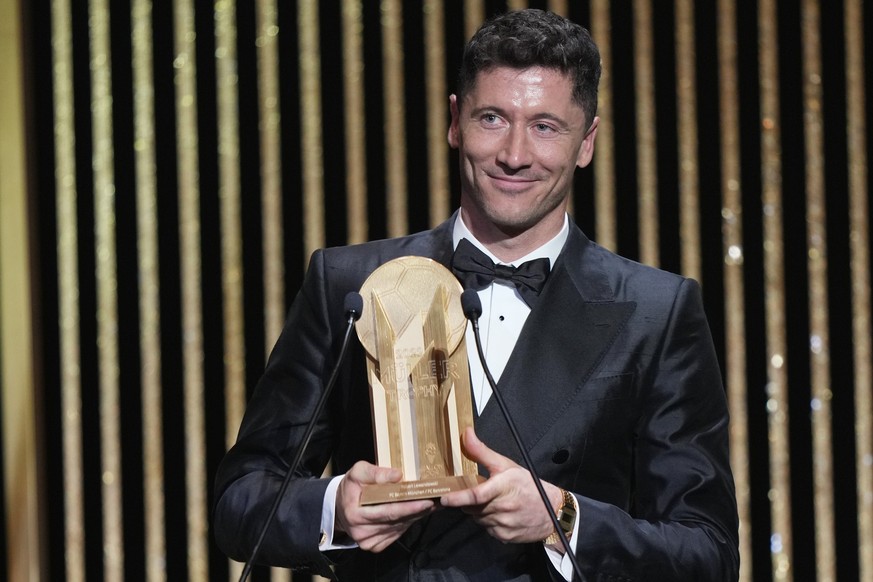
x=567, y=514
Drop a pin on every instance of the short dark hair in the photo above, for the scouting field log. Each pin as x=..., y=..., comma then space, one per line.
x=531, y=38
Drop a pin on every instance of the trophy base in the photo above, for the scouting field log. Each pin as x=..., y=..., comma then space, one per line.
x=423, y=489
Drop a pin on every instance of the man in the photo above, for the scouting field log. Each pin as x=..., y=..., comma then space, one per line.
x=608, y=369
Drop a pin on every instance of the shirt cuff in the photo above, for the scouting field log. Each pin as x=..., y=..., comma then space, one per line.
x=328, y=514
x=560, y=561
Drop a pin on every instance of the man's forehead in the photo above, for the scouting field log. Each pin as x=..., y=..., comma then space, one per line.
x=509, y=71
x=539, y=81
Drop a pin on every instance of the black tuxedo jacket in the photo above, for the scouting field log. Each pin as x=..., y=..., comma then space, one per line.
x=614, y=386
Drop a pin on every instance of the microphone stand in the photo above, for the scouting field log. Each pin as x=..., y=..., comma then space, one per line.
x=353, y=307
x=472, y=307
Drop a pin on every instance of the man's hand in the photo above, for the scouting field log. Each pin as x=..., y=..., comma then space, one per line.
x=375, y=527
x=508, y=504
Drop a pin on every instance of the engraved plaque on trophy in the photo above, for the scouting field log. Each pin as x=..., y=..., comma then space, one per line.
x=413, y=333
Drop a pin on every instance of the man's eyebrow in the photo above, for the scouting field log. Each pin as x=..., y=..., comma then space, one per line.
x=552, y=117
x=486, y=108
x=540, y=115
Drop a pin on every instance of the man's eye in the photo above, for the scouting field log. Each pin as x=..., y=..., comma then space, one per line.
x=489, y=118
x=544, y=128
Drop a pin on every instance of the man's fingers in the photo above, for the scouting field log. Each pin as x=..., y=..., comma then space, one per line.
x=363, y=473
x=462, y=498
x=375, y=527
x=396, y=512
x=478, y=451
x=486, y=492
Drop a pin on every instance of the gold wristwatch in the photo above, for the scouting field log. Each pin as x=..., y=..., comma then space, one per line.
x=566, y=519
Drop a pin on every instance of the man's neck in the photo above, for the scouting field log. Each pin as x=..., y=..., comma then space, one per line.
x=510, y=246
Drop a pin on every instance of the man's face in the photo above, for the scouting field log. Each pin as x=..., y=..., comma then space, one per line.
x=520, y=136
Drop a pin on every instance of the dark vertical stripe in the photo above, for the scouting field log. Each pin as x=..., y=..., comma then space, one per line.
x=666, y=136
x=213, y=322
x=129, y=381
x=583, y=186
x=416, y=118
x=455, y=39
x=292, y=171
x=842, y=362
x=38, y=51
x=91, y=444
x=750, y=153
x=710, y=171
x=333, y=122
x=626, y=183
x=375, y=139
x=797, y=293
x=172, y=368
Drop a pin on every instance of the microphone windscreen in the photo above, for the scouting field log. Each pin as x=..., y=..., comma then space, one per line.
x=353, y=305
x=471, y=304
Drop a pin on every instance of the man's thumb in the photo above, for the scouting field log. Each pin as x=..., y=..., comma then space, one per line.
x=479, y=452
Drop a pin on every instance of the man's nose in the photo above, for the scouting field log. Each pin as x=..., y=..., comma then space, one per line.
x=515, y=150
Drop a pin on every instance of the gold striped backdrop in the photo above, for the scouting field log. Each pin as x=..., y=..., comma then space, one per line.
x=167, y=168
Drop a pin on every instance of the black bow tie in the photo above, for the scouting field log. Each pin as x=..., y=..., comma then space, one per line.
x=476, y=271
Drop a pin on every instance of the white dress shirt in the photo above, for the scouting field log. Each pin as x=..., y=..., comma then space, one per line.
x=504, y=313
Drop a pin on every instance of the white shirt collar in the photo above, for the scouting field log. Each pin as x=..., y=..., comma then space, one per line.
x=549, y=250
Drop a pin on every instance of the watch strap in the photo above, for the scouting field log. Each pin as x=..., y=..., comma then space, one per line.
x=566, y=515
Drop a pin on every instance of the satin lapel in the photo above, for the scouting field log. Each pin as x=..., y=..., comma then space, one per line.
x=564, y=339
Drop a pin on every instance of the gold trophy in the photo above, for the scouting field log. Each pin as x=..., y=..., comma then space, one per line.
x=413, y=333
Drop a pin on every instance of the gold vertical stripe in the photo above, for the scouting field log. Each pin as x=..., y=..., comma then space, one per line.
x=149, y=305
x=437, y=105
x=227, y=83
x=604, y=158
x=107, y=285
x=647, y=173
x=859, y=220
x=19, y=422
x=310, y=113
x=271, y=168
x=68, y=288
x=516, y=4
x=559, y=7
x=686, y=101
x=267, y=42
x=395, y=116
x=278, y=574
x=192, y=301
x=356, y=145
x=774, y=287
x=734, y=300
x=474, y=16
x=819, y=355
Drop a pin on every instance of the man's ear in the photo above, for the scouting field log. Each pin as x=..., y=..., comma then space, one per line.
x=453, y=136
x=586, y=150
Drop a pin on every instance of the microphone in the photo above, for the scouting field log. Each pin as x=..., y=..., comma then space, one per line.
x=472, y=307
x=353, y=306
